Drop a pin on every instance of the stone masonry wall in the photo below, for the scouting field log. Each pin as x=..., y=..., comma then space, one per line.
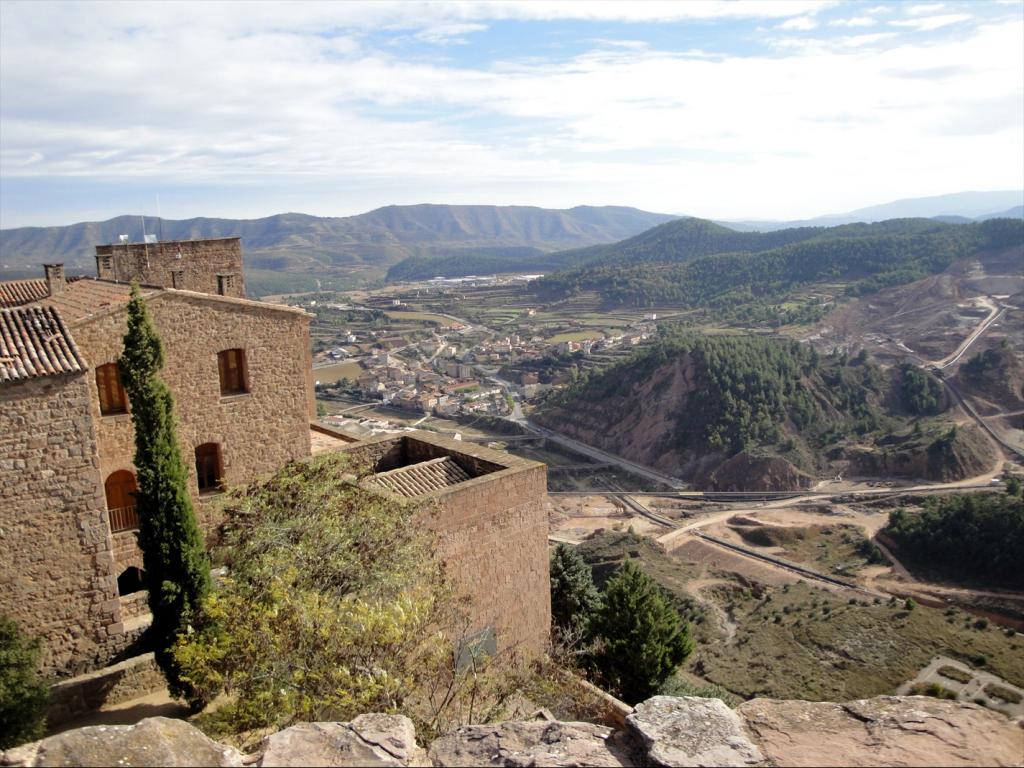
x=198, y=262
x=493, y=533
x=258, y=431
x=57, y=576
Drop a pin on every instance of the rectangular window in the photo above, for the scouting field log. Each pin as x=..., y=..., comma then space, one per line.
x=112, y=395
x=178, y=278
x=225, y=284
x=231, y=364
x=208, y=468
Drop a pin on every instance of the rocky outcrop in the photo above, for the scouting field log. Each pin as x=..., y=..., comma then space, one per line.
x=368, y=740
x=663, y=731
x=888, y=730
x=747, y=472
x=533, y=744
x=154, y=741
x=691, y=731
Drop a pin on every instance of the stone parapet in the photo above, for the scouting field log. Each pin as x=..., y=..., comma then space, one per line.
x=664, y=731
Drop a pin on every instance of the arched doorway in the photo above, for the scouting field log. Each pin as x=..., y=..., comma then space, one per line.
x=131, y=580
x=120, y=489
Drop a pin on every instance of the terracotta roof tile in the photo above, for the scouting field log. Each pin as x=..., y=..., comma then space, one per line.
x=422, y=478
x=82, y=298
x=35, y=342
x=14, y=293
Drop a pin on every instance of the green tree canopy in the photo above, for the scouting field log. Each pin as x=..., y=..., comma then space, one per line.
x=333, y=606
x=23, y=694
x=173, y=556
x=644, y=638
x=574, y=598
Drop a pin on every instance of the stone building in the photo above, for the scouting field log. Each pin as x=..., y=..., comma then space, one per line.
x=207, y=266
x=241, y=375
x=488, y=510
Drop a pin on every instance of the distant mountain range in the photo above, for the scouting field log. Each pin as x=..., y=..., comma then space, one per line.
x=364, y=245
x=957, y=208
x=294, y=251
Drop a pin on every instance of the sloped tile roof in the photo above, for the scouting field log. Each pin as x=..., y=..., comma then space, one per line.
x=82, y=298
x=35, y=342
x=422, y=478
x=15, y=293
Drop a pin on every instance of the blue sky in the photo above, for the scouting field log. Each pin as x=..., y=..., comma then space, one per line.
x=721, y=109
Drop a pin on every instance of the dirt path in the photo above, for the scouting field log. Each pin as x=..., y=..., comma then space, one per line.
x=729, y=626
x=994, y=312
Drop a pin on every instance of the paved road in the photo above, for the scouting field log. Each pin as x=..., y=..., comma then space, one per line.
x=995, y=313
x=607, y=458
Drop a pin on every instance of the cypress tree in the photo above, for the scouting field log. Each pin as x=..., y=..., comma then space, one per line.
x=644, y=637
x=574, y=598
x=173, y=554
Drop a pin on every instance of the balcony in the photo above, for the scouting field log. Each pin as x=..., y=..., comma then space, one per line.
x=123, y=519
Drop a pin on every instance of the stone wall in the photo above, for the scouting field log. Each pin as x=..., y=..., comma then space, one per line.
x=258, y=432
x=129, y=679
x=191, y=265
x=492, y=532
x=57, y=576
x=126, y=551
x=663, y=731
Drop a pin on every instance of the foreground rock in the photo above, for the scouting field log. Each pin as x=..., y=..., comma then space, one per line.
x=888, y=730
x=154, y=741
x=662, y=731
x=690, y=731
x=368, y=740
x=533, y=743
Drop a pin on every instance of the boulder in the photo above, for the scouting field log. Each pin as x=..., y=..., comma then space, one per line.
x=535, y=743
x=155, y=741
x=887, y=730
x=690, y=731
x=373, y=739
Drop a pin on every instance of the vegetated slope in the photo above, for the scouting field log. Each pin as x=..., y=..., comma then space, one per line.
x=798, y=641
x=296, y=242
x=979, y=537
x=677, y=240
x=871, y=256
x=995, y=375
x=747, y=413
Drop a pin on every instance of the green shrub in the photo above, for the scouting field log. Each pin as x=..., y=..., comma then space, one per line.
x=643, y=638
x=932, y=689
x=23, y=694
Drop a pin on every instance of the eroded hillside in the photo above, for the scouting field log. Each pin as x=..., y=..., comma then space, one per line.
x=744, y=413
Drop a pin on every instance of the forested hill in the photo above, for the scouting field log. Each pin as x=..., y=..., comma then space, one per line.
x=756, y=413
x=311, y=245
x=669, y=243
x=675, y=241
x=870, y=256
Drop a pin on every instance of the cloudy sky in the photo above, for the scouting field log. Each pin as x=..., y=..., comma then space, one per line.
x=722, y=109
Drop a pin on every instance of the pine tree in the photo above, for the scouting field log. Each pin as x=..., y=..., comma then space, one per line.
x=644, y=638
x=173, y=555
x=24, y=695
x=574, y=598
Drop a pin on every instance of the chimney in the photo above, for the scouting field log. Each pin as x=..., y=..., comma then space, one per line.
x=54, y=278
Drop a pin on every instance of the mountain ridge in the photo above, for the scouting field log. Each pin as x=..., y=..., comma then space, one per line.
x=302, y=243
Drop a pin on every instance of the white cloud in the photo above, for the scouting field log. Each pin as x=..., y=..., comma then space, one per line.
x=930, y=23
x=924, y=8
x=804, y=23
x=828, y=125
x=856, y=21
x=451, y=32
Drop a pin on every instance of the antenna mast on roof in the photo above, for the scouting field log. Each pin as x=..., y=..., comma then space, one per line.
x=145, y=239
x=159, y=220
